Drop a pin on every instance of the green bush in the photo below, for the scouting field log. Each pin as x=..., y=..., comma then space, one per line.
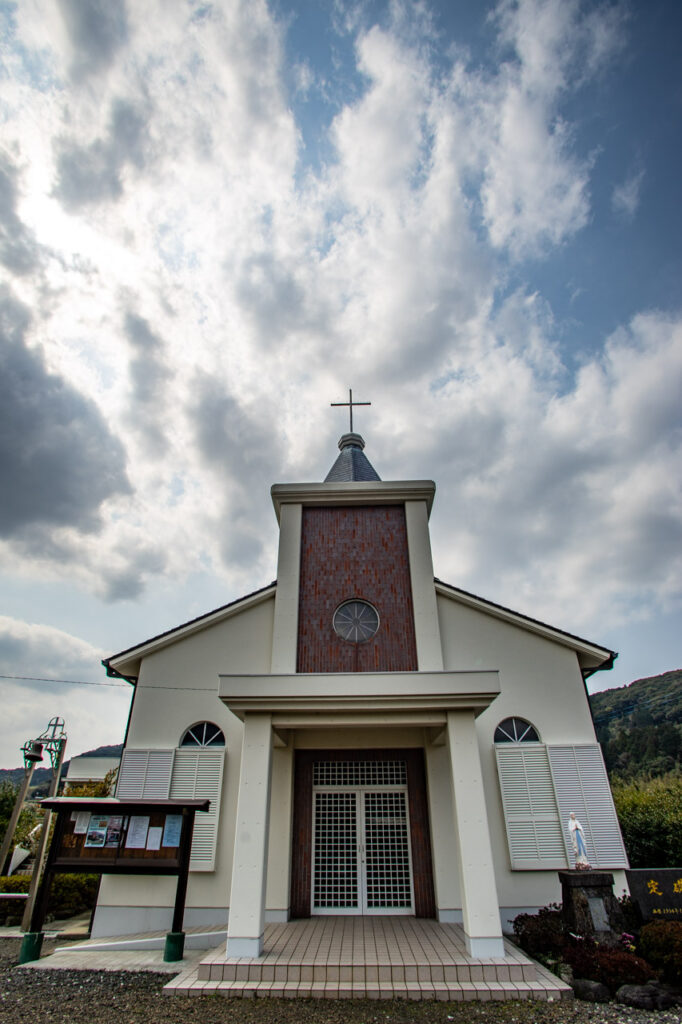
x=69, y=895
x=27, y=819
x=541, y=935
x=72, y=894
x=632, y=915
x=661, y=943
x=650, y=815
x=12, y=911
x=613, y=967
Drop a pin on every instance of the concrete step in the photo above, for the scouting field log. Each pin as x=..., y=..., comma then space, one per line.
x=297, y=971
x=546, y=989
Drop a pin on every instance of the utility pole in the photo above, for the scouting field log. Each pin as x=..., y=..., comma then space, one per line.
x=54, y=741
x=33, y=753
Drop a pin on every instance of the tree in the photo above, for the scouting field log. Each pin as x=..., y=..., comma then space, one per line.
x=650, y=814
x=28, y=818
x=93, y=787
x=8, y=794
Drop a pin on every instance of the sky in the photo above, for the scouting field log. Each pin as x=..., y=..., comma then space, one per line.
x=215, y=218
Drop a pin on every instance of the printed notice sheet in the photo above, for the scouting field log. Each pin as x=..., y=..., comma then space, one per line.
x=114, y=831
x=172, y=829
x=137, y=832
x=154, y=838
x=82, y=820
x=96, y=834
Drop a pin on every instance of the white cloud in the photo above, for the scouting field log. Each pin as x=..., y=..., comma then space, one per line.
x=210, y=295
x=51, y=652
x=94, y=715
x=535, y=190
x=625, y=197
x=578, y=508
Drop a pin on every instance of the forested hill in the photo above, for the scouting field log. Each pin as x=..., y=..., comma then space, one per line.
x=43, y=775
x=640, y=726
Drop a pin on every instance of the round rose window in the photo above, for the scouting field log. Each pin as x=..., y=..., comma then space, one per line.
x=356, y=621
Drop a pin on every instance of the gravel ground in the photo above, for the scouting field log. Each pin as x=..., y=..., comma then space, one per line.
x=125, y=997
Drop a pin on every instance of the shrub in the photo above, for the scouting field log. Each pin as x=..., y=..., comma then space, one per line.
x=27, y=819
x=661, y=943
x=72, y=894
x=69, y=895
x=613, y=967
x=650, y=815
x=541, y=935
x=12, y=911
x=632, y=915
x=93, y=787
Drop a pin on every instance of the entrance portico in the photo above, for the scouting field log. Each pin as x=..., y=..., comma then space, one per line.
x=277, y=709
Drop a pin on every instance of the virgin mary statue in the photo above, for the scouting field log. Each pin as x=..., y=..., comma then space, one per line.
x=578, y=841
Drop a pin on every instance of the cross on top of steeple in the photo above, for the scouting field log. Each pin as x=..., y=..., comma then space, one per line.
x=350, y=403
x=352, y=464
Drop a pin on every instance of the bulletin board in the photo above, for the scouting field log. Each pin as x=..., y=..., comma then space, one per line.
x=108, y=836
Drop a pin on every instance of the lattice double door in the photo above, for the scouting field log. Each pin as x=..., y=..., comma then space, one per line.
x=361, y=838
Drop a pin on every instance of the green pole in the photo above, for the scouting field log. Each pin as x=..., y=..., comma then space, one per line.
x=175, y=947
x=31, y=945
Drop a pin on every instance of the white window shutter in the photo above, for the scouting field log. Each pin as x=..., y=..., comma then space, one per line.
x=144, y=774
x=534, y=830
x=582, y=786
x=198, y=774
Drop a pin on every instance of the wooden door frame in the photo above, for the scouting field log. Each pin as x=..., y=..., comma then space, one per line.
x=420, y=836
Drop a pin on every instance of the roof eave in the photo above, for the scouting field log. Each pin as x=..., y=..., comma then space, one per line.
x=353, y=492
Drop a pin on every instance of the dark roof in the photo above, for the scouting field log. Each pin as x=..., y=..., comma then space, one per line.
x=352, y=463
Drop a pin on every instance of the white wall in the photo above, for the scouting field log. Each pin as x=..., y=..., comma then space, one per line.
x=90, y=769
x=540, y=681
x=178, y=687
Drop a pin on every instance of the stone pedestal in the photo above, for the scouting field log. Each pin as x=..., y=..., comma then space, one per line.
x=589, y=906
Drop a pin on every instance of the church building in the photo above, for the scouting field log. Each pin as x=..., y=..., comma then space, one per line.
x=373, y=741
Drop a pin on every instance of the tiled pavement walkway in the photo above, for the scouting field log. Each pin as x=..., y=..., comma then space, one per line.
x=368, y=957
x=142, y=952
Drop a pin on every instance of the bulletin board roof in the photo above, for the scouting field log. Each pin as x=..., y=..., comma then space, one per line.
x=110, y=804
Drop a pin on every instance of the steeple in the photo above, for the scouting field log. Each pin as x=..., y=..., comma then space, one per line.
x=352, y=464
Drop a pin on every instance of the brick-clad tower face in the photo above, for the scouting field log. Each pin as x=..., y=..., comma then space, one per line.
x=355, y=553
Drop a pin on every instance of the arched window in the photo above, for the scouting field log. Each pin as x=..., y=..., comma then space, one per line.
x=516, y=730
x=203, y=734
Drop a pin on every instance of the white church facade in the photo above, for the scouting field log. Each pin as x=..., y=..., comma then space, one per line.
x=373, y=741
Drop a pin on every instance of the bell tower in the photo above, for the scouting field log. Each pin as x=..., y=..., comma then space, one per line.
x=355, y=599
x=355, y=576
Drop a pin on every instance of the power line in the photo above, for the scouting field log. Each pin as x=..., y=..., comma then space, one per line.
x=71, y=682
x=643, y=704
x=600, y=720
x=638, y=706
x=82, y=682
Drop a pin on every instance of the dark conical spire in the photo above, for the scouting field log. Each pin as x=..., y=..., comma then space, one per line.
x=352, y=463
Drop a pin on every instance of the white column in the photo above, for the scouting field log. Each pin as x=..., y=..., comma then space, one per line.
x=285, y=630
x=279, y=857
x=426, y=627
x=442, y=822
x=480, y=907
x=249, y=871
